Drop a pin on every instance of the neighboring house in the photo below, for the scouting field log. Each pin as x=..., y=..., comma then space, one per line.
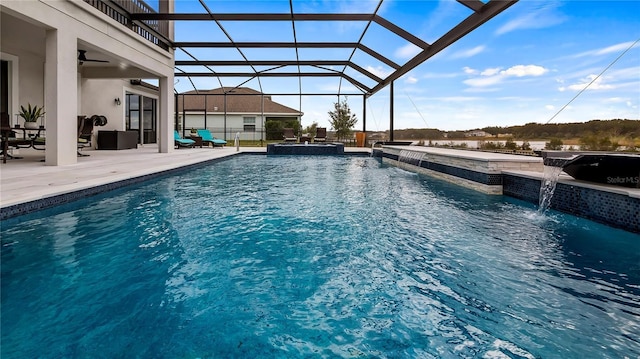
x=226, y=111
x=477, y=133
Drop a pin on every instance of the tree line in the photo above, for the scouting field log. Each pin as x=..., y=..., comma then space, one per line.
x=612, y=128
x=531, y=131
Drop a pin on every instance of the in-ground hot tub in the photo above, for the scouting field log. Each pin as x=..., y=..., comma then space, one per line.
x=305, y=149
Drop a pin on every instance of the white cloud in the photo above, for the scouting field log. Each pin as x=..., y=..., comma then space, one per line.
x=463, y=54
x=617, y=48
x=469, y=70
x=535, y=15
x=525, y=70
x=616, y=100
x=411, y=80
x=594, y=83
x=493, y=76
x=620, y=100
x=379, y=71
x=490, y=71
x=483, y=81
x=550, y=107
x=407, y=51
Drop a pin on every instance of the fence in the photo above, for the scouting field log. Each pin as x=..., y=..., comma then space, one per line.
x=257, y=137
x=119, y=10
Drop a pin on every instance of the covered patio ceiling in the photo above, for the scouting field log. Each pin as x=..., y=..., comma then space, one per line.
x=279, y=48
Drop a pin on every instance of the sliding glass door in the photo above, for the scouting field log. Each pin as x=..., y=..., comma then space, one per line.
x=141, y=116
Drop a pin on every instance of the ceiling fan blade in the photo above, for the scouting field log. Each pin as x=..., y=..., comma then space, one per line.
x=82, y=57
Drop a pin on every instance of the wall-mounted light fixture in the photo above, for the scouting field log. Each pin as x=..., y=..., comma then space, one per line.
x=117, y=101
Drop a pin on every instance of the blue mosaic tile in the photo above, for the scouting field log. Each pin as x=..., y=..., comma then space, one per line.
x=522, y=188
x=40, y=204
x=491, y=179
x=612, y=209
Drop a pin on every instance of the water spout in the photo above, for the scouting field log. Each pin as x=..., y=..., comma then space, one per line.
x=548, y=186
x=410, y=158
x=236, y=142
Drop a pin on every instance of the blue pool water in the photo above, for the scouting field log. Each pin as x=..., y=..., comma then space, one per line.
x=287, y=257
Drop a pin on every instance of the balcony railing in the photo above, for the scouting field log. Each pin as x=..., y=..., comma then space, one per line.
x=155, y=31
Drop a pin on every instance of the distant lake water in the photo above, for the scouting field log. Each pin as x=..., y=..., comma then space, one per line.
x=535, y=145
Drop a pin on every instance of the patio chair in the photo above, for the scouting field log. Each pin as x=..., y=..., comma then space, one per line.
x=288, y=135
x=182, y=142
x=207, y=138
x=85, y=132
x=321, y=134
x=9, y=139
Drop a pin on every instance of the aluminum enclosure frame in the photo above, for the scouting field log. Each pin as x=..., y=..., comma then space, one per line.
x=481, y=13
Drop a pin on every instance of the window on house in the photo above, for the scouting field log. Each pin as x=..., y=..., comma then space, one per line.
x=249, y=124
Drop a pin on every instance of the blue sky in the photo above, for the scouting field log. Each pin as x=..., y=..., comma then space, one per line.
x=522, y=66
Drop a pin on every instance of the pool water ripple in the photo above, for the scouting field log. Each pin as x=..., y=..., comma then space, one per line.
x=314, y=257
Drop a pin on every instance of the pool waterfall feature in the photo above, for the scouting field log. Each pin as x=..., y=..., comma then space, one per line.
x=616, y=204
x=548, y=186
x=411, y=157
x=551, y=174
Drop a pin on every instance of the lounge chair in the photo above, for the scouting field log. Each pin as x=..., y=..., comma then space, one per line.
x=182, y=142
x=288, y=135
x=321, y=134
x=207, y=138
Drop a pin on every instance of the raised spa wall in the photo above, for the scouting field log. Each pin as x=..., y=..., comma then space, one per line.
x=519, y=177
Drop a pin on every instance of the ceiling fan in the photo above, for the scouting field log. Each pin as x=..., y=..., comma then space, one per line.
x=82, y=57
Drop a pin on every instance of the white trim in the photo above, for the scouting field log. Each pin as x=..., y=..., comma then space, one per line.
x=14, y=82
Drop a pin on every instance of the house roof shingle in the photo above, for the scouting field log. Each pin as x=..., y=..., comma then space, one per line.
x=239, y=100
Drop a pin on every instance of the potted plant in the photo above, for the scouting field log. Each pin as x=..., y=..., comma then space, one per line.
x=31, y=116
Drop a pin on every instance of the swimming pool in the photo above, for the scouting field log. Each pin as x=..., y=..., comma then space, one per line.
x=341, y=256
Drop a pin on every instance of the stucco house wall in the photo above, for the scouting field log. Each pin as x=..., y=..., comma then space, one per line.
x=98, y=98
x=41, y=40
x=26, y=55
